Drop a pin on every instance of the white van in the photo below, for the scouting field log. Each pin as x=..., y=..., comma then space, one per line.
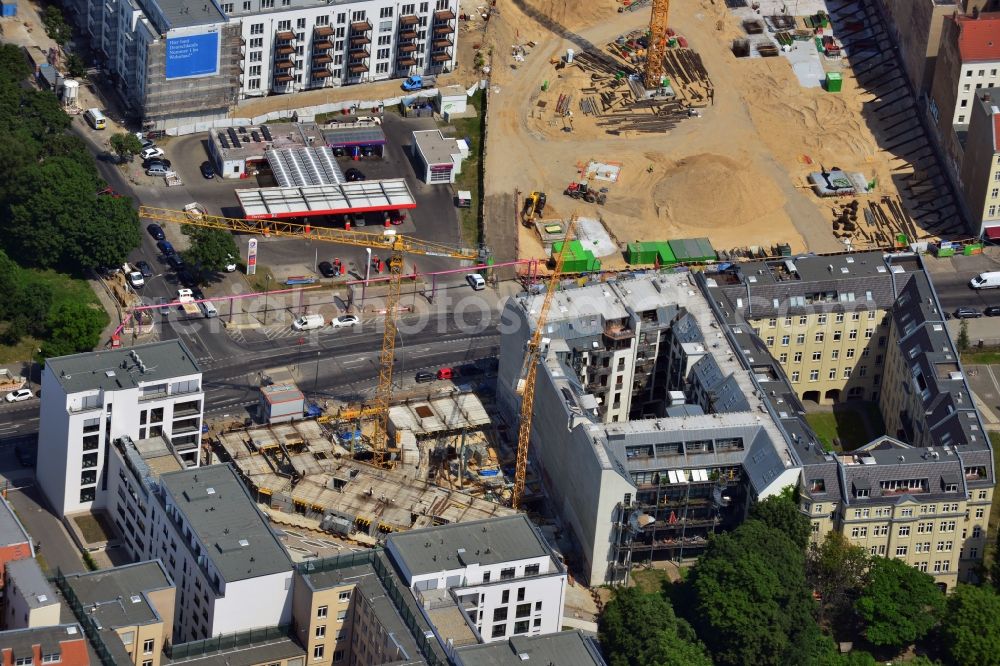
x=209, y=309
x=990, y=280
x=95, y=119
x=476, y=281
x=308, y=322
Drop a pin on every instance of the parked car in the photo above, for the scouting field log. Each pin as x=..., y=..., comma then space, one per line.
x=354, y=175
x=308, y=322
x=992, y=311
x=156, y=231
x=446, y=373
x=345, y=320
x=207, y=170
x=152, y=151
x=136, y=279
x=20, y=395
x=158, y=170
x=967, y=313
x=165, y=246
x=175, y=261
x=326, y=269
x=230, y=264
x=162, y=161
x=476, y=281
x=164, y=304
x=423, y=377
x=144, y=268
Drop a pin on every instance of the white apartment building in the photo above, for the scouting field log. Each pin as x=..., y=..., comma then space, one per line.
x=88, y=400
x=232, y=573
x=175, y=62
x=499, y=573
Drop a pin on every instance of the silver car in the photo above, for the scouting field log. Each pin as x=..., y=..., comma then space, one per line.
x=158, y=170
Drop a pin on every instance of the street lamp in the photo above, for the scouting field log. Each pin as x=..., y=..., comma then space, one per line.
x=267, y=287
x=316, y=376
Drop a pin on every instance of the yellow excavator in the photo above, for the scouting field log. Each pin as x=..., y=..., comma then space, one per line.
x=534, y=206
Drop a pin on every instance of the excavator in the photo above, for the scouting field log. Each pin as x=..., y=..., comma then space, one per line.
x=534, y=206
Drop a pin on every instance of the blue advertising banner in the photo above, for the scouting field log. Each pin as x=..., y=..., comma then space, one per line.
x=193, y=55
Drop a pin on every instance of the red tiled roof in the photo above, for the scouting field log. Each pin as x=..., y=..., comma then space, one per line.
x=979, y=38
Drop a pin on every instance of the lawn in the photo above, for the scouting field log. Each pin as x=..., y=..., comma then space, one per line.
x=470, y=178
x=848, y=422
x=981, y=357
x=92, y=529
x=649, y=580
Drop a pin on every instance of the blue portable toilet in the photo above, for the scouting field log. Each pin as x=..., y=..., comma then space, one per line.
x=8, y=7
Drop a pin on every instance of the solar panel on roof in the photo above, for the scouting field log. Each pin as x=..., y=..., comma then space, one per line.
x=266, y=132
x=233, y=136
x=256, y=137
x=222, y=140
x=243, y=130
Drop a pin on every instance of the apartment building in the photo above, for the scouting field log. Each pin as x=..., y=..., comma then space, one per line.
x=917, y=25
x=15, y=542
x=28, y=599
x=922, y=492
x=649, y=433
x=233, y=573
x=130, y=608
x=59, y=644
x=968, y=60
x=568, y=648
x=981, y=164
x=499, y=576
x=175, y=63
x=88, y=400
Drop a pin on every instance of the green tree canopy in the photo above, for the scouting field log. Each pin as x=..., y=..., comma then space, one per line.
x=782, y=512
x=55, y=25
x=73, y=327
x=211, y=249
x=640, y=629
x=899, y=604
x=836, y=569
x=971, y=631
x=125, y=144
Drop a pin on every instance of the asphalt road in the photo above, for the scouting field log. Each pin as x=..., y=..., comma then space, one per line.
x=951, y=280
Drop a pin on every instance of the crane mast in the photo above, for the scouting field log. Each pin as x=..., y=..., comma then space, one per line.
x=656, y=49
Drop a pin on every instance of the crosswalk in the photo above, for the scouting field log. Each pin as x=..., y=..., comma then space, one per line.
x=283, y=331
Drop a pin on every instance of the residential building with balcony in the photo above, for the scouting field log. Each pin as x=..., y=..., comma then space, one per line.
x=88, y=400
x=498, y=577
x=233, y=573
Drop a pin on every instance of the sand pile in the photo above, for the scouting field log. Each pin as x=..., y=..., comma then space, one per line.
x=714, y=191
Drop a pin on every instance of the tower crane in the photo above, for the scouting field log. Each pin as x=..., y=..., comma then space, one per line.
x=656, y=49
x=530, y=371
x=397, y=245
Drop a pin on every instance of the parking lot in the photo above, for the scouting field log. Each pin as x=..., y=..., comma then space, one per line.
x=984, y=380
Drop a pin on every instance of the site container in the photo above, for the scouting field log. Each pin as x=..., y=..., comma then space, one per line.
x=692, y=250
x=576, y=259
x=834, y=81
x=640, y=253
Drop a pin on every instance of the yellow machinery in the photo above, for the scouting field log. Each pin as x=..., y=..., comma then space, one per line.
x=396, y=245
x=534, y=205
x=530, y=372
x=653, y=76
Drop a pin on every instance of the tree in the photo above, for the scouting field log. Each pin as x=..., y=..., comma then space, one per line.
x=125, y=145
x=73, y=327
x=899, y=605
x=76, y=67
x=13, y=67
x=972, y=631
x=211, y=249
x=640, y=629
x=55, y=25
x=836, y=569
x=963, y=336
x=751, y=602
x=782, y=512
x=108, y=232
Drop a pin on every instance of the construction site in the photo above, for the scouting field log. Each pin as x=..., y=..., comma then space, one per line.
x=446, y=464
x=725, y=133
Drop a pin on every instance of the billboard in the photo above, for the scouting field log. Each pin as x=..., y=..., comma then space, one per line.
x=193, y=55
x=252, y=257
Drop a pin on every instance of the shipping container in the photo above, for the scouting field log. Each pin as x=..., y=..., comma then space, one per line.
x=690, y=250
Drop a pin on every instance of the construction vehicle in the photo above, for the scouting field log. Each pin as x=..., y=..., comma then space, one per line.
x=534, y=206
x=418, y=82
x=584, y=191
x=394, y=244
x=529, y=372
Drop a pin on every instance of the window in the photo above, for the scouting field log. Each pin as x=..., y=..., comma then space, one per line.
x=254, y=71
x=770, y=341
x=821, y=319
x=847, y=373
x=499, y=630
x=344, y=596
x=505, y=597
x=321, y=631
x=788, y=321
x=341, y=615
x=803, y=320
x=837, y=335
x=318, y=651
x=783, y=358
x=798, y=357
x=977, y=531
x=338, y=656
x=859, y=532
x=256, y=56
x=507, y=574
x=531, y=570
x=500, y=614
x=832, y=374
x=800, y=339
x=785, y=339
x=947, y=526
x=973, y=553
x=839, y=318
x=850, y=353
x=817, y=355
x=51, y=658
x=148, y=645
x=257, y=29
x=257, y=43
x=852, y=335
x=900, y=551
x=925, y=528
x=904, y=530
x=128, y=637
x=486, y=576
x=961, y=118
x=795, y=376
x=522, y=627
x=523, y=610
x=322, y=612
x=820, y=336
x=147, y=662
x=979, y=513
x=814, y=375
x=772, y=322
x=87, y=495
x=834, y=354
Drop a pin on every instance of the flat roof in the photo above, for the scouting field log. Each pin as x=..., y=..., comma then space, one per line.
x=31, y=582
x=277, y=393
x=358, y=197
x=364, y=135
x=117, y=597
x=566, y=648
x=491, y=541
x=451, y=412
x=220, y=511
x=184, y=13
x=11, y=530
x=435, y=147
x=117, y=369
x=267, y=653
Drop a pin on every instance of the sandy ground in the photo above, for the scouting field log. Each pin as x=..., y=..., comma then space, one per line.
x=736, y=174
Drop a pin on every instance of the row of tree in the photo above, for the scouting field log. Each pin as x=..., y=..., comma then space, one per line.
x=761, y=595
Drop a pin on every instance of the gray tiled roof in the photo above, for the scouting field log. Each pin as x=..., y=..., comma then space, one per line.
x=566, y=648
x=116, y=369
x=118, y=595
x=22, y=641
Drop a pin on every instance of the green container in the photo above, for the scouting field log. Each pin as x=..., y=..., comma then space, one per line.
x=692, y=250
x=834, y=81
x=577, y=259
x=946, y=252
x=819, y=44
x=664, y=254
x=672, y=42
x=639, y=254
x=545, y=85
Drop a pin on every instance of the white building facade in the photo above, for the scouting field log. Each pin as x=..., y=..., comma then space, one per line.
x=88, y=400
x=500, y=573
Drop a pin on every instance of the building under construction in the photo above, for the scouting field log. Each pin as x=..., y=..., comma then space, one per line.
x=308, y=468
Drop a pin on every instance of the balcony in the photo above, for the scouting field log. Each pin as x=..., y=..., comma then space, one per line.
x=359, y=54
x=322, y=59
x=408, y=20
x=440, y=57
x=407, y=48
x=322, y=45
x=406, y=61
x=357, y=68
x=442, y=43
x=443, y=30
x=284, y=36
x=361, y=26
x=323, y=31
x=284, y=50
x=360, y=40
x=320, y=73
x=283, y=79
x=444, y=15
x=284, y=64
